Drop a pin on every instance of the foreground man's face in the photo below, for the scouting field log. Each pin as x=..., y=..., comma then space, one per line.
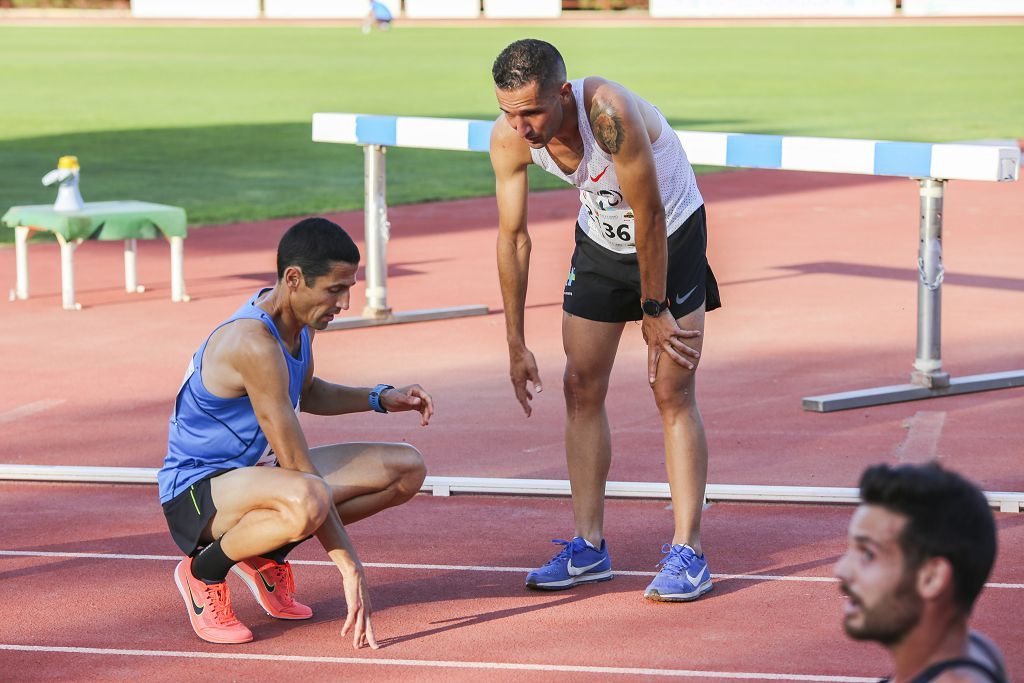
x=882, y=603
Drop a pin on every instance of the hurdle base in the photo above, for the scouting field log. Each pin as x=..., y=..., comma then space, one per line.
x=408, y=317
x=899, y=393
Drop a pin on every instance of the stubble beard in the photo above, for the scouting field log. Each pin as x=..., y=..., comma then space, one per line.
x=891, y=618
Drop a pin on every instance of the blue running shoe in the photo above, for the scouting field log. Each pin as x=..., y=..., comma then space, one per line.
x=683, y=576
x=577, y=562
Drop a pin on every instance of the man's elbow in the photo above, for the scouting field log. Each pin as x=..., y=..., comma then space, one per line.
x=657, y=213
x=513, y=240
x=650, y=221
x=523, y=242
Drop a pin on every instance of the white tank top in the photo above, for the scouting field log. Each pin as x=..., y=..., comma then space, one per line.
x=605, y=214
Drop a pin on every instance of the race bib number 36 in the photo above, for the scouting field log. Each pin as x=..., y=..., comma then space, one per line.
x=608, y=223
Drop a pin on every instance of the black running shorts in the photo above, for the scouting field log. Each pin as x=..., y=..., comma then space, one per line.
x=605, y=286
x=189, y=512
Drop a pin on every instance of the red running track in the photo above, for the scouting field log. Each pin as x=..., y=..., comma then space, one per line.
x=451, y=613
x=818, y=278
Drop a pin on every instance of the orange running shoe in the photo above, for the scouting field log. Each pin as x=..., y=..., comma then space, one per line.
x=273, y=586
x=209, y=607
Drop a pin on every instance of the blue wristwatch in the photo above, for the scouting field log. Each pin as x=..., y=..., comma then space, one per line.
x=375, y=397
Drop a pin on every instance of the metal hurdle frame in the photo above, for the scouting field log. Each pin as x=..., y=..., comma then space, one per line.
x=931, y=165
x=928, y=379
x=331, y=128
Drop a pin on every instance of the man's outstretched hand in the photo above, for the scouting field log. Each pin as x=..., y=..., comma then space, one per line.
x=523, y=369
x=412, y=397
x=357, y=598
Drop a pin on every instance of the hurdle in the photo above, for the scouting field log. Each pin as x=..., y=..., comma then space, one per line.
x=1004, y=501
x=931, y=165
x=345, y=128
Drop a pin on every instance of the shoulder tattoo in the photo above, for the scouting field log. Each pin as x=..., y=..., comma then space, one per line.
x=607, y=125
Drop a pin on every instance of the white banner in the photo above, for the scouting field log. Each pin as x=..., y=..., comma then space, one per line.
x=772, y=8
x=968, y=8
x=522, y=9
x=196, y=9
x=442, y=9
x=315, y=9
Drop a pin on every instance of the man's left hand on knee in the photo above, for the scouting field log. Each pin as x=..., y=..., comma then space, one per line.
x=664, y=336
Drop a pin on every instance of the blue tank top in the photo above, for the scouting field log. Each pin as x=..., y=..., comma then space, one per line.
x=210, y=434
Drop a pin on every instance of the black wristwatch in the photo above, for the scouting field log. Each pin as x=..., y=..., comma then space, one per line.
x=653, y=307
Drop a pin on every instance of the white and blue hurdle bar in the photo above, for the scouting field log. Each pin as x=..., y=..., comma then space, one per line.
x=931, y=164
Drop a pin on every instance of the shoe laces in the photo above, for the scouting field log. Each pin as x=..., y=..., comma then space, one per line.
x=283, y=577
x=676, y=561
x=219, y=600
x=564, y=554
x=288, y=576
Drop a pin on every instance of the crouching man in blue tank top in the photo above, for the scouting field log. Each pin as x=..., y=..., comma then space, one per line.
x=240, y=487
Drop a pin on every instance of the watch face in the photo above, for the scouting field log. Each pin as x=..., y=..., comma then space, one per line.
x=651, y=307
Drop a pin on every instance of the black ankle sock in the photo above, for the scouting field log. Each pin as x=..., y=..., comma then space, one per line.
x=211, y=565
x=282, y=552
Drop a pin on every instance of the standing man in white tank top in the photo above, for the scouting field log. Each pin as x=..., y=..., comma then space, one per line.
x=640, y=255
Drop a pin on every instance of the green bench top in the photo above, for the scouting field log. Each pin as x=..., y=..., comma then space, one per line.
x=119, y=220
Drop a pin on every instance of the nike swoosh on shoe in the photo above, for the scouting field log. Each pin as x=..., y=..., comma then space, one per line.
x=269, y=586
x=695, y=580
x=195, y=608
x=576, y=571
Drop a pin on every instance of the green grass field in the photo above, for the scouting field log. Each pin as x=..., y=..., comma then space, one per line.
x=218, y=119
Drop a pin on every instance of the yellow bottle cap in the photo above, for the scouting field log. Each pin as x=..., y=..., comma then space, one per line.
x=68, y=162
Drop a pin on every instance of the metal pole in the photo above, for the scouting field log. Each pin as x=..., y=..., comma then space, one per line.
x=377, y=232
x=928, y=364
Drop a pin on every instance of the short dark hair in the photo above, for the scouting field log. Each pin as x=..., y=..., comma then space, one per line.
x=528, y=61
x=947, y=516
x=313, y=244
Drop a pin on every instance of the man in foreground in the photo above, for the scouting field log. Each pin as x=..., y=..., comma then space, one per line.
x=920, y=549
x=240, y=487
x=640, y=255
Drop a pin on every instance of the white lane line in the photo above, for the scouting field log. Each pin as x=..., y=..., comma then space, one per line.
x=441, y=664
x=924, y=431
x=29, y=409
x=442, y=567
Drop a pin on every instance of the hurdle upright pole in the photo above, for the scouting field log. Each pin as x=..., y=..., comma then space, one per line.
x=927, y=380
x=928, y=363
x=377, y=232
